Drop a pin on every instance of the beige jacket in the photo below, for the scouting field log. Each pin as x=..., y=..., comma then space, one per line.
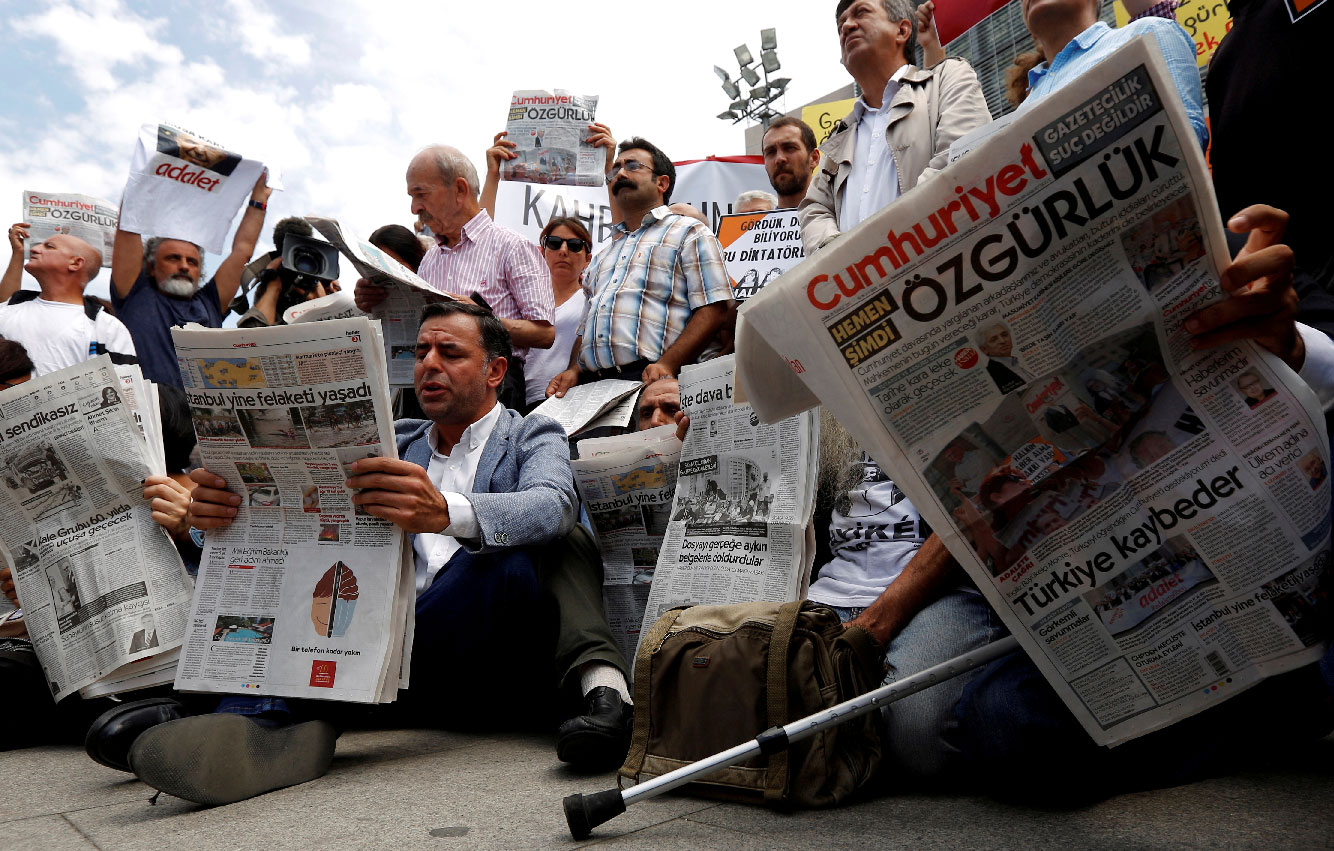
x=932, y=108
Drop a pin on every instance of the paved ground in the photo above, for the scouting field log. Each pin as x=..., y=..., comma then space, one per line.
x=409, y=789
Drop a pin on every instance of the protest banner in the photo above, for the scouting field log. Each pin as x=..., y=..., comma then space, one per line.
x=823, y=116
x=1206, y=21
x=550, y=130
x=1151, y=521
x=711, y=185
x=183, y=186
x=759, y=247
x=90, y=219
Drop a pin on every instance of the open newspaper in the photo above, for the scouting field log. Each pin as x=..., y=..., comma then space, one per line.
x=740, y=528
x=100, y=583
x=626, y=483
x=407, y=293
x=1150, y=520
x=550, y=129
x=585, y=404
x=90, y=219
x=303, y=595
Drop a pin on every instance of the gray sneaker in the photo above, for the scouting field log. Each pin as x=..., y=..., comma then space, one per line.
x=223, y=758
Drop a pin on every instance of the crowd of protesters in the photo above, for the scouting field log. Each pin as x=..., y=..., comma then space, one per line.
x=508, y=582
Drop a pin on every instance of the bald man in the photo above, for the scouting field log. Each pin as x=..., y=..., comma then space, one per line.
x=59, y=326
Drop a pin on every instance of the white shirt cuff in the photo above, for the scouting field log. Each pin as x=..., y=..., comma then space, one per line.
x=1318, y=368
x=462, y=518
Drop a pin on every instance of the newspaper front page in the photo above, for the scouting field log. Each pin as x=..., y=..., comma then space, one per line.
x=740, y=528
x=627, y=483
x=550, y=129
x=100, y=583
x=90, y=219
x=303, y=595
x=1150, y=520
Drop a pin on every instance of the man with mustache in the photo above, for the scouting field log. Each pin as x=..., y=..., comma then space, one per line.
x=659, y=292
x=155, y=286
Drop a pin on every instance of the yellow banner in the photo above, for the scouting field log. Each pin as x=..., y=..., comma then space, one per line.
x=1205, y=21
x=823, y=116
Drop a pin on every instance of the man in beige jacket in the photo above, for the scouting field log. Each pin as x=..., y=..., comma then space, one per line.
x=900, y=129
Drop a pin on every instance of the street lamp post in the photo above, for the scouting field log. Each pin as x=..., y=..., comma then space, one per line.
x=755, y=104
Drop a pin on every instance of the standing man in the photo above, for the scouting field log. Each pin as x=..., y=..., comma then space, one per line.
x=58, y=326
x=155, y=286
x=473, y=255
x=901, y=128
x=657, y=294
x=790, y=157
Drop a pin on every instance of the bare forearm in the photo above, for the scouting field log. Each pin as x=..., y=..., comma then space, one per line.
x=922, y=581
x=13, y=278
x=700, y=328
x=530, y=334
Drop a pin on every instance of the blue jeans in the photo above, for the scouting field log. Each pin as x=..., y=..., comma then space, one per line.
x=922, y=728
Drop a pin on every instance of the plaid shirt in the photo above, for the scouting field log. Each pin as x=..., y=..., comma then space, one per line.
x=643, y=287
x=1165, y=9
x=506, y=269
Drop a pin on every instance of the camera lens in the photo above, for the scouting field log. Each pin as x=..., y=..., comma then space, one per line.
x=307, y=262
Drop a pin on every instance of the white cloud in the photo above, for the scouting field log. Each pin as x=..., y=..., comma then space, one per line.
x=262, y=35
x=93, y=37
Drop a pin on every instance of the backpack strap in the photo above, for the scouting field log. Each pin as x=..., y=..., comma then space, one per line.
x=91, y=307
x=776, y=776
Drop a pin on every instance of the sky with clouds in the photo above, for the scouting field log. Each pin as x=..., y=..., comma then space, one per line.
x=339, y=94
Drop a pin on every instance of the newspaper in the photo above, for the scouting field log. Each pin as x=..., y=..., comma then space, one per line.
x=740, y=528
x=303, y=595
x=759, y=248
x=90, y=219
x=1150, y=520
x=399, y=313
x=337, y=305
x=550, y=129
x=626, y=483
x=100, y=583
x=584, y=404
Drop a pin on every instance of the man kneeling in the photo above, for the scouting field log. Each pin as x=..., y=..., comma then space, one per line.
x=480, y=488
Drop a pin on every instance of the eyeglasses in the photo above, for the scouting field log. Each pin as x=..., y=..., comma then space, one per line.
x=553, y=243
x=631, y=166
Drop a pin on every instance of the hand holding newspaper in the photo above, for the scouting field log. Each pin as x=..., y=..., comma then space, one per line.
x=1150, y=520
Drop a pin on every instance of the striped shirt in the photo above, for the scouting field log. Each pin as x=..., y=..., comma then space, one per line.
x=643, y=286
x=1098, y=41
x=498, y=264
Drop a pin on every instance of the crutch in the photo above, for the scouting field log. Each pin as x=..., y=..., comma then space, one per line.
x=585, y=812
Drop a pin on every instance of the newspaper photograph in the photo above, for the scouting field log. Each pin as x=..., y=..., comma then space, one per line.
x=303, y=595
x=407, y=292
x=99, y=582
x=759, y=248
x=550, y=129
x=740, y=528
x=90, y=219
x=626, y=484
x=1150, y=520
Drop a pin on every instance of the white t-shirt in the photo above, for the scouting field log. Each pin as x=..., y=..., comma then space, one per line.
x=58, y=335
x=543, y=365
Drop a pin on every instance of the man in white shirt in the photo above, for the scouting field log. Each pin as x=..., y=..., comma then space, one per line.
x=57, y=325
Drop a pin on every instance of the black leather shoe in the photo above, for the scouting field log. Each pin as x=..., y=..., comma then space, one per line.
x=598, y=739
x=109, y=739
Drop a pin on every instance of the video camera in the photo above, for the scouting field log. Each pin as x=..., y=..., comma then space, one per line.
x=306, y=262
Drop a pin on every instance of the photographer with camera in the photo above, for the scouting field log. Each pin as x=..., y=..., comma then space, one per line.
x=298, y=269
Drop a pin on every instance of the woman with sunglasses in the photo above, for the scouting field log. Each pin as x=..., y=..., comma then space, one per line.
x=566, y=245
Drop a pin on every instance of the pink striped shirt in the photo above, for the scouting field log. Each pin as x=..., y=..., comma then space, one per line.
x=497, y=263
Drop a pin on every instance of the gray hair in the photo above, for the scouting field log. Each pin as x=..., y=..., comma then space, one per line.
x=757, y=195
x=452, y=165
x=151, y=247
x=841, y=464
x=897, y=10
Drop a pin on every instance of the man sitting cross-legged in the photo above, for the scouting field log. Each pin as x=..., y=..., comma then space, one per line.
x=480, y=488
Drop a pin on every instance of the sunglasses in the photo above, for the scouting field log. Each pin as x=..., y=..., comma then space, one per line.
x=553, y=243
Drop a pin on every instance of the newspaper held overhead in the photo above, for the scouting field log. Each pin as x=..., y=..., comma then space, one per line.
x=407, y=294
x=759, y=248
x=740, y=528
x=626, y=483
x=550, y=129
x=1151, y=521
x=100, y=583
x=184, y=186
x=90, y=219
x=303, y=595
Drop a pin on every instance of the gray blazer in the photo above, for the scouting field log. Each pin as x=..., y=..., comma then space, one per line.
x=524, y=491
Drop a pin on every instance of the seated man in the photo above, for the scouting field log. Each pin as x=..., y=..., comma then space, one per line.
x=480, y=489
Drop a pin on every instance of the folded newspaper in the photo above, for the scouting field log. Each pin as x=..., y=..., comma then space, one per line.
x=90, y=219
x=585, y=404
x=103, y=591
x=549, y=130
x=303, y=595
x=741, y=517
x=1151, y=521
x=626, y=483
x=407, y=294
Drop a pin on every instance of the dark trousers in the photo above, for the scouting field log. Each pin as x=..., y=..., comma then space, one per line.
x=572, y=583
x=628, y=372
